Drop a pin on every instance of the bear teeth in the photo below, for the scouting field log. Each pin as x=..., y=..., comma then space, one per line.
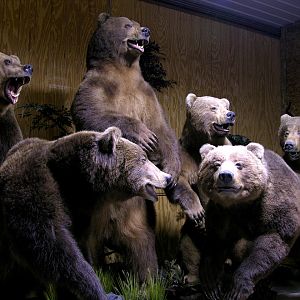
x=14, y=86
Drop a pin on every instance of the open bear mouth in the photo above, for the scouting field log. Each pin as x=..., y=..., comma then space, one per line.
x=293, y=155
x=13, y=88
x=228, y=189
x=149, y=193
x=137, y=44
x=222, y=128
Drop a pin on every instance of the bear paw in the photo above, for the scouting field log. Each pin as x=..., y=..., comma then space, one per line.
x=146, y=139
x=195, y=212
x=240, y=290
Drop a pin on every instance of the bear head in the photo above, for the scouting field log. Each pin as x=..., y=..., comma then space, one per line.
x=209, y=115
x=289, y=136
x=116, y=38
x=13, y=75
x=231, y=175
x=105, y=162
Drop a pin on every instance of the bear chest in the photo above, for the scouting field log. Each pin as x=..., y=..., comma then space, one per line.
x=233, y=224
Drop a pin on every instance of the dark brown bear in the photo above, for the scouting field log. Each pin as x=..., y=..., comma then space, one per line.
x=13, y=76
x=208, y=120
x=48, y=193
x=114, y=93
x=289, y=135
x=253, y=211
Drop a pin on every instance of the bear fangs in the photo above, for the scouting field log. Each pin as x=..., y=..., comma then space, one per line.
x=222, y=128
x=137, y=44
x=13, y=87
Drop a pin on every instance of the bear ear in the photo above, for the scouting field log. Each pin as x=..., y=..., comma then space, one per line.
x=190, y=99
x=226, y=101
x=284, y=118
x=108, y=142
x=102, y=18
x=205, y=149
x=257, y=149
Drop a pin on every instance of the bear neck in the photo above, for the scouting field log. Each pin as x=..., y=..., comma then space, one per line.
x=192, y=139
x=5, y=107
x=294, y=164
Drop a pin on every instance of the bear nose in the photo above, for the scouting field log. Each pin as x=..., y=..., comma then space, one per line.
x=146, y=31
x=226, y=177
x=230, y=116
x=289, y=146
x=28, y=69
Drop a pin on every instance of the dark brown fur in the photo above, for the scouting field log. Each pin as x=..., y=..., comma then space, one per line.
x=289, y=135
x=49, y=191
x=114, y=93
x=202, y=113
x=253, y=211
x=10, y=70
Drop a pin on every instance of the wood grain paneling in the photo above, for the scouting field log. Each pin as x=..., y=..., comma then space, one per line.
x=203, y=56
x=291, y=66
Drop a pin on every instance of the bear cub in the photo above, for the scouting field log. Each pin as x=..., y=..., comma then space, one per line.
x=208, y=120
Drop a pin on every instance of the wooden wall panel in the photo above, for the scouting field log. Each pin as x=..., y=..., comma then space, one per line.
x=203, y=56
x=291, y=66
x=52, y=35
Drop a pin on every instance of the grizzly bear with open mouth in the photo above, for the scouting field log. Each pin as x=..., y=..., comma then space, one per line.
x=13, y=75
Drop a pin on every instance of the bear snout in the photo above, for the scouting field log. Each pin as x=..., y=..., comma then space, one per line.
x=145, y=31
x=230, y=116
x=289, y=146
x=28, y=69
x=226, y=177
x=168, y=179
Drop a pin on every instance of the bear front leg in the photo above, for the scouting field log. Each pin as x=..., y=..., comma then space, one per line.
x=184, y=195
x=168, y=145
x=267, y=252
x=190, y=255
x=132, y=129
x=53, y=255
x=211, y=277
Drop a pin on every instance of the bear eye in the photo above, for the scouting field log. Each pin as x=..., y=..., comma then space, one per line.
x=7, y=62
x=239, y=166
x=128, y=26
x=286, y=133
x=213, y=108
x=144, y=159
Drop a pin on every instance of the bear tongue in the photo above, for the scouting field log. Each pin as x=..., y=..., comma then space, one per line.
x=13, y=88
x=223, y=128
x=136, y=44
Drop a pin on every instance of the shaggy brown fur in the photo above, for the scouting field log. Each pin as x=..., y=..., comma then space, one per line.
x=207, y=121
x=13, y=76
x=289, y=135
x=114, y=92
x=49, y=191
x=253, y=209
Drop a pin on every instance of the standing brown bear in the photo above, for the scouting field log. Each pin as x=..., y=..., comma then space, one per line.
x=13, y=76
x=208, y=120
x=114, y=93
